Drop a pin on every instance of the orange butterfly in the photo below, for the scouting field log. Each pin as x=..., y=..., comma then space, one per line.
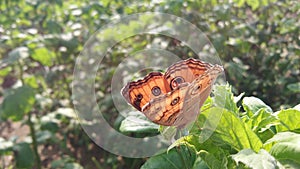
x=175, y=97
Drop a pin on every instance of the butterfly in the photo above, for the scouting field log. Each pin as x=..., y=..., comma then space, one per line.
x=173, y=98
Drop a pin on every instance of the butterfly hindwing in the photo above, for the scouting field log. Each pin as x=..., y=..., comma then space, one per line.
x=165, y=109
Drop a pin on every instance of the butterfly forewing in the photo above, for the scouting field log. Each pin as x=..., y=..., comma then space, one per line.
x=140, y=92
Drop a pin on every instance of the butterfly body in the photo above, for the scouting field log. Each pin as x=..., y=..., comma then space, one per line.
x=175, y=97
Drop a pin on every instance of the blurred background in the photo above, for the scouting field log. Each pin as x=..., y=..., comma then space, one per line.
x=258, y=42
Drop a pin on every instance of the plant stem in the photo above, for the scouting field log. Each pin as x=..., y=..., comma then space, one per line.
x=61, y=62
x=31, y=126
x=34, y=142
x=97, y=164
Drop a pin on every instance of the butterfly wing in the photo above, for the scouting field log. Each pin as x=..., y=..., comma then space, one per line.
x=165, y=109
x=185, y=71
x=204, y=82
x=197, y=91
x=173, y=98
x=140, y=92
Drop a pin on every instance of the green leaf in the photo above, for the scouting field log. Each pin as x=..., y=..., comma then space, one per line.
x=266, y=134
x=290, y=120
x=262, y=120
x=53, y=27
x=286, y=150
x=168, y=133
x=262, y=159
x=230, y=129
x=18, y=103
x=50, y=125
x=285, y=147
x=253, y=104
x=43, y=136
x=264, y=2
x=288, y=25
x=138, y=123
x=43, y=55
x=199, y=163
x=213, y=156
x=179, y=158
x=240, y=3
x=262, y=123
x=253, y=3
x=211, y=161
x=211, y=152
x=209, y=102
x=224, y=98
x=289, y=164
x=5, y=71
x=23, y=155
x=65, y=163
x=73, y=166
x=31, y=81
x=294, y=87
x=58, y=163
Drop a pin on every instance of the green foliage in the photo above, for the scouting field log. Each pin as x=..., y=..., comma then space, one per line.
x=294, y=87
x=261, y=140
x=286, y=148
x=23, y=155
x=136, y=122
x=262, y=159
x=252, y=105
x=289, y=120
x=182, y=157
x=261, y=123
x=18, y=103
x=65, y=163
x=225, y=99
x=43, y=56
x=232, y=131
